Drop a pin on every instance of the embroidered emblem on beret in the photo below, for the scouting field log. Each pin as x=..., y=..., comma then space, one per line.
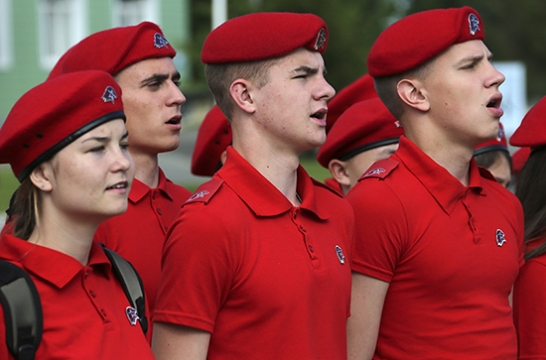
x=131, y=315
x=109, y=95
x=160, y=41
x=321, y=39
x=500, y=237
x=473, y=23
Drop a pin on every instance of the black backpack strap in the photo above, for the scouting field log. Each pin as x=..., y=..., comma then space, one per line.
x=131, y=284
x=22, y=311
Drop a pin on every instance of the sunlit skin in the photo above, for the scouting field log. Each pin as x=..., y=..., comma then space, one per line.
x=152, y=100
x=293, y=104
x=466, y=97
x=91, y=177
x=82, y=185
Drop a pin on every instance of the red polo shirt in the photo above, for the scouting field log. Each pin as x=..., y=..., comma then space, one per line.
x=83, y=306
x=530, y=310
x=138, y=234
x=451, y=254
x=267, y=279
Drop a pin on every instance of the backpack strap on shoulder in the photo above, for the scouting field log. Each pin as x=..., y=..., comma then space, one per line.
x=131, y=284
x=22, y=311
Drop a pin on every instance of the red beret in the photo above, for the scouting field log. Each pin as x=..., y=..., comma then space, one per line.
x=532, y=130
x=213, y=138
x=365, y=125
x=419, y=37
x=115, y=49
x=519, y=158
x=360, y=90
x=53, y=114
x=265, y=35
x=498, y=143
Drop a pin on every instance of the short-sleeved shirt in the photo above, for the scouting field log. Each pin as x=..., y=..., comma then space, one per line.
x=529, y=309
x=267, y=279
x=84, y=307
x=138, y=235
x=450, y=252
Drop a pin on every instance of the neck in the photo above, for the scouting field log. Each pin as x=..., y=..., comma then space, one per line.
x=146, y=168
x=72, y=237
x=277, y=167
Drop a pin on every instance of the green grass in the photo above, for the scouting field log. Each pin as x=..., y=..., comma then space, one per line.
x=8, y=182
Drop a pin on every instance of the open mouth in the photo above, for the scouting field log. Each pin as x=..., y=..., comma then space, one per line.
x=121, y=185
x=320, y=115
x=495, y=102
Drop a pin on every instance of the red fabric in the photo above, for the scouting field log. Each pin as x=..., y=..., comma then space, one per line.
x=113, y=50
x=529, y=312
x=264, y=35
x=83, y=306
x=498, y=143
x=359, y=90
x=260, y=274
x=419, y=37
x=53, y=110
x=139, y=234
x=435, y=241
x=519, y=158
x=363, y=124
x=532, y=130
x=213, y=138
x=331, y=182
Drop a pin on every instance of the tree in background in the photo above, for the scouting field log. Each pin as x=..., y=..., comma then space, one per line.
x=515, y=31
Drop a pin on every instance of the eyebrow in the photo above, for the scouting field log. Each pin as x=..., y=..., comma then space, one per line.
x=106, y=138
x=309, y=70
x=161, y=77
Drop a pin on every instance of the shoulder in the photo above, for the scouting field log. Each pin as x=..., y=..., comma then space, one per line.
x=380, y=169
x=206, y=192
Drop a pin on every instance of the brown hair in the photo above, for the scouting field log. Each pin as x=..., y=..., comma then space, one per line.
x=487, y=159
x=531, y=192
x=221, y=76
x=24, y=209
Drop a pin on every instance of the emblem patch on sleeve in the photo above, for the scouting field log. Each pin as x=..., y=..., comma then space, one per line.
x=500, y=237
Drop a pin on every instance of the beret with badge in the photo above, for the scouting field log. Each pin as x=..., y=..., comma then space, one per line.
x=113, y=50
x=359, y=90
x=498, y=143
x=417, y=38
x=532, y=130
x=213, y=137
x=264, y=35
x=53, y=114
x=363, y=126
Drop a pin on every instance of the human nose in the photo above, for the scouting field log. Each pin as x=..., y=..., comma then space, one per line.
x=325, y=91
x=497, y=78
x=123, y=161
x=176, y=96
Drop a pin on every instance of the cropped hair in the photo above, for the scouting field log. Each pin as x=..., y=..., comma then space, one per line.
x=221, y=76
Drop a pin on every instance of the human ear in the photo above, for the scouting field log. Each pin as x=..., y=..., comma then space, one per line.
x=240, y=91
x=339, y=172
x=411, y=93
x=41, y=177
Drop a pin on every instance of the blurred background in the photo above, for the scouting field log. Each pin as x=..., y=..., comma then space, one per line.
x=35, y=33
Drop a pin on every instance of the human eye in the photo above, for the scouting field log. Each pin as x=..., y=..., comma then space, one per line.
x=96, y=149
x=124, y=145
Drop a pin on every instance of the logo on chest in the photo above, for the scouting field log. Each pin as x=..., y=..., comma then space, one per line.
x=340, y=255
x=132, y=315
x=499, y=236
